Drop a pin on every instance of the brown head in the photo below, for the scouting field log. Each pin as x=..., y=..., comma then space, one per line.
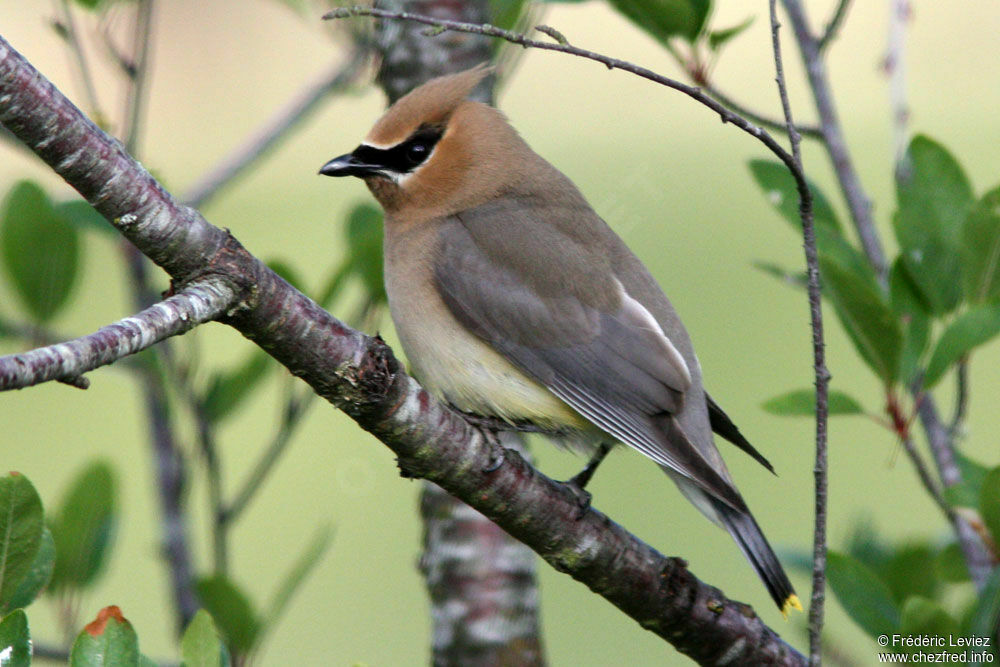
x=435, y=152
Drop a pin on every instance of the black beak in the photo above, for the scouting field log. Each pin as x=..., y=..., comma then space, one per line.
x=348, y=165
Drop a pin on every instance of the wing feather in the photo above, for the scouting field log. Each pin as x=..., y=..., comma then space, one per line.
x=578, y=332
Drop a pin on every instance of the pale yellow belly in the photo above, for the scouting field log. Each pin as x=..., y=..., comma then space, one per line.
x=456, y=365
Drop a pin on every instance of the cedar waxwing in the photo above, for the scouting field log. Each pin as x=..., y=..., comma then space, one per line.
x=514, y=301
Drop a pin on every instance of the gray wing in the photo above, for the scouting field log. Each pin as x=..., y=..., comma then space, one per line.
x=573, y=328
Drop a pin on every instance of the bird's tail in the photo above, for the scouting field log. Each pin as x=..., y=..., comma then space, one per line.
x=753, y=544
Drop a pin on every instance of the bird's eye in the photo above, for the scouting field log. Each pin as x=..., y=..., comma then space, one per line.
x=416, y=153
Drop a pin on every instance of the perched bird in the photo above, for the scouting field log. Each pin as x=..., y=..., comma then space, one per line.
x=514, y=301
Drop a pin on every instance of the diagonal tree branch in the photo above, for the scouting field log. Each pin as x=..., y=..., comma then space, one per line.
x=197, y=303
x=833, y=138
x=359, y=375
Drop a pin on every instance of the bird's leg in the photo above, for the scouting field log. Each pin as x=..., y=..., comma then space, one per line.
x=578, y=482
x=582, y=478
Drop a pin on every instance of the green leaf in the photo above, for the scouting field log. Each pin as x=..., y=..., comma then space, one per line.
x=39, y=574
x=866, y=316
x=802, y=403
x=15, y=640
x=863, y=595
x=866, y=545
x=364, y=242
x=966, y=493
x=308, y=560
x=779, y=188
x=664, y=19
x=89, y=4
x=914, y=320
x=909, y=570
x=231, y=610
x=924, y=617
x=40, y=250
x=84, y=217
x=981, y=249
x=719, y=38
x=969, y=330
x=989, y=503
x=934, y=197
x=21, y=524
x=504, y=14
x=84, y=527
x=228, y=390
x=107, y=640
x=950, y=565
x=201, y=645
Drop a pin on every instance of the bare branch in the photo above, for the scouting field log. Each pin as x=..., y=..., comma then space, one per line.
x=138, y=74
x=83, y=68
x=961, y=398
x=770, y=123
x=931, y=485
x=277, y=129
x=822, y=375
x=857, y=199
x=291, y=416
x=196, y=303
x=977, y=558
x=726, y=114
x=834, y=26
x=360, y=375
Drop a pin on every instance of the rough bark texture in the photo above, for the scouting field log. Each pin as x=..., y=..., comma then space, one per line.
x=199, y=303
x=360, y=375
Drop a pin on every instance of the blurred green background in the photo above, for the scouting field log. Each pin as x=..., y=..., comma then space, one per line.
x=664, y=172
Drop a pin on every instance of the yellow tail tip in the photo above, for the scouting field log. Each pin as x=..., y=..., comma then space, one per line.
x=791, y=602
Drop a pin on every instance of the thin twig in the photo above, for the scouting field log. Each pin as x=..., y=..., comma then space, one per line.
x=196, y=303
x=725, y=114
x=291, y=416
x=817, y=602
x=277, y=129
x=138, y=75
x=857, y=199
x=811, y=131
x=931, y=485
x=833, y=27
x=961, y=398
x=939, y=440
x=80, y=57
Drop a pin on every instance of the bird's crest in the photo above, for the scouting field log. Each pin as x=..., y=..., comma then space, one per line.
x=429, y=104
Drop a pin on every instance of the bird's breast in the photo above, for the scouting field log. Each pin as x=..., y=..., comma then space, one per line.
x=446, y=358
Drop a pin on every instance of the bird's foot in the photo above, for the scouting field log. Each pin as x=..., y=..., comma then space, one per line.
x=580, y=494
x=497, y=450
